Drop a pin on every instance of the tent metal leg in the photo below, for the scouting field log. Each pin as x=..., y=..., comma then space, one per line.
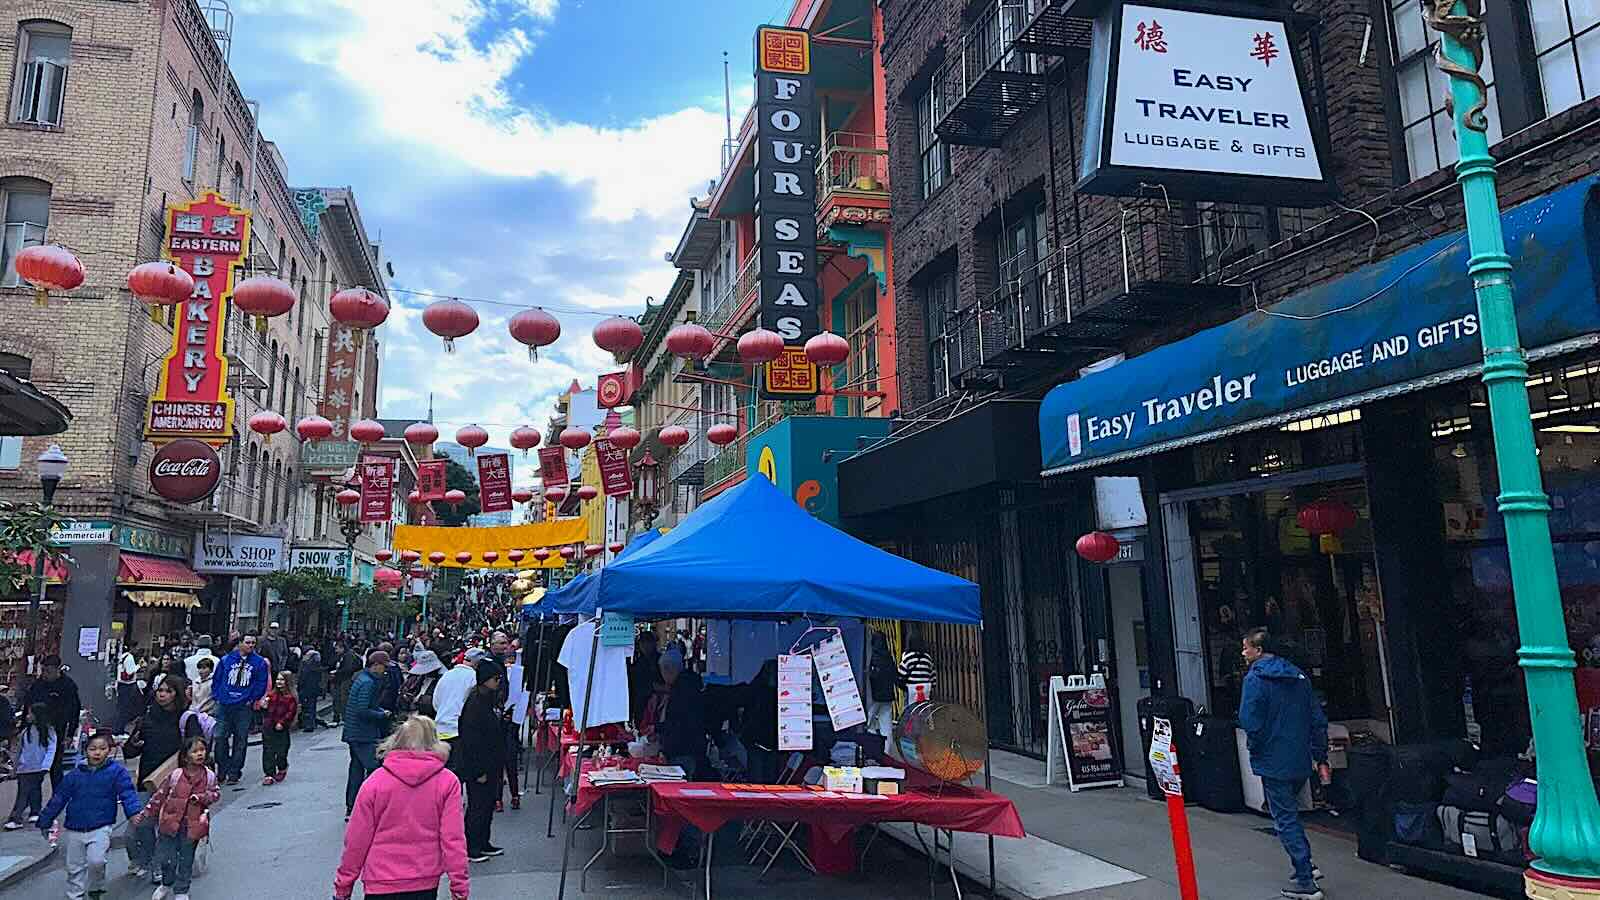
x=577, y=764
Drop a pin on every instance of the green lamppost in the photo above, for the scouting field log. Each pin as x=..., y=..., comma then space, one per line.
x=1566, y=831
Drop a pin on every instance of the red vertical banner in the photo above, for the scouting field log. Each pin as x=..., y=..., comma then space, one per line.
x=553, y=466
x=377, y=489
x=431, y=479
x=616, y=479
x=494, y=482
x=339, y=377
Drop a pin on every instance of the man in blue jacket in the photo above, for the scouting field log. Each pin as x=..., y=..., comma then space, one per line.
x=1288, y=733
x=240, y=681
x=366, y=722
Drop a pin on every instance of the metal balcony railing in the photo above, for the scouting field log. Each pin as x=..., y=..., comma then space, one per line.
x=246, y=349
x=719, y=317
x=853, y=163
x=987, y=83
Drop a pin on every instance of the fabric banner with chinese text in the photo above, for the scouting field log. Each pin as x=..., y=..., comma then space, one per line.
x=377, y=489
x=494, y=482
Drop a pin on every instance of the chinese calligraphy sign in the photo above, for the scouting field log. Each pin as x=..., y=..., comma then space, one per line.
x=1150, y=37
x=339, y=377
x=1266, y=49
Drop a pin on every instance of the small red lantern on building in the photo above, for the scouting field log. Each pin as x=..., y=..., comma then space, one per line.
x=614, y=546
x=450, y=319
x=618, y=335
x=690, y=341
x=490, y=556
x=313, y=428
x=463, y=557
x=593, y=550
x=541, y=554
x=1098, y=547
x=522, y=495
x=348, y=497
x=455, y=497
x=827, y=349
x=471, y=437
x=436, y=557
x=1326, y=516
x=367, y=431
x=575, y=438
x=525, y=438
x=358, y=308
x=409, y=556
x=623, y=437
x=555, y=493
x=515, y=556
x=414, y=497
x=568, y=553
x=421, y=433
x=48, y=267
x=534, y=328
x=160, y=284
x=722, y=434
x=267, y=422
x=263, y=295
x=760, y=346
x=383, y=555
x=674, y=436
x=588, y=492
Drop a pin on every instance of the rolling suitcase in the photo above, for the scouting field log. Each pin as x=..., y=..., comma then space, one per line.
x=1210, y=764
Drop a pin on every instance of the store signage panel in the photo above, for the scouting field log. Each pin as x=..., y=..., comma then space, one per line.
x=377, y=489
x=237, y=554
x=329, y=454
x=185, y=471
x=494, y=482
x=1408, y=317
x=553, y=467
x=208, y=239
x=338, y=403
x=335, y=562
x=1202, y=103
x=79, y=531
x=432, y=479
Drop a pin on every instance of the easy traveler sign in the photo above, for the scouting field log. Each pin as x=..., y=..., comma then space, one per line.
x=1409, y=317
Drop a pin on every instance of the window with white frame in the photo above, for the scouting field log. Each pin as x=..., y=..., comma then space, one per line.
x=26, y=204
x=44, y=52
x=1430, y=139
x=935, y=153
x=939, y=304
x=861, y=329
x=1566, y=41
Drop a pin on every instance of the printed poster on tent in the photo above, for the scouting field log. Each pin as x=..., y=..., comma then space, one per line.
x=839, y=687
x=794, y=701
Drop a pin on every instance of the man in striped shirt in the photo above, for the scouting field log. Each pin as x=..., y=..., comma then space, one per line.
x=916, y=673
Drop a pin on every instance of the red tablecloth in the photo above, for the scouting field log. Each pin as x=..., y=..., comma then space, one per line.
x=952, y=807
x=590, y=794
x=603, y=734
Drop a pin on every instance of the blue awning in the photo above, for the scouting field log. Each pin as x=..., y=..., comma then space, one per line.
x=1405, y=323
x=578, y=596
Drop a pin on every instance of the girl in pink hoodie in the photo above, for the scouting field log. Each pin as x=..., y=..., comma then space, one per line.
x=406, y=829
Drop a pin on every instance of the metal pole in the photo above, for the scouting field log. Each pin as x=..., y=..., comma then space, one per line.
x=48, y=487
x=1565, y=836
x=577, y=764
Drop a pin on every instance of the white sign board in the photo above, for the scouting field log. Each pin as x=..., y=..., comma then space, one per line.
x=333, y=561
x=1164, y=757
x=238, y=554
x=1206, y=92
x=794, y=701
x=79, y=532
x=839, y=687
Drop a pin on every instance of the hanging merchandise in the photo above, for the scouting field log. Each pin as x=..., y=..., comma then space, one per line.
x=421, y=433
x=450, y=319
x=674, y=436
x=267, y=422
x=618, y=335
x=722, y=434
x=366, y=431
x=471, y=437
x=313, y=428
x=525, y=438
x=160, y=284
x=827, y=349
x=759, y=345
x=263, y=295
x=535, y=328
x=358, y=307
x=607, y=692
x=690, y=341
x=794, y=701
x=48, y=267
x=575, y=438
x=624, y=437
x=839, y=688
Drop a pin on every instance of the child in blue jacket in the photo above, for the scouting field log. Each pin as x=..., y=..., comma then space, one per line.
x=90, y=794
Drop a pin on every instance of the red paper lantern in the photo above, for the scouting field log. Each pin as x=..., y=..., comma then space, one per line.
x=367, y=431
x=827, y=349
x=522, y=495
x=348, y=497
x=450, y=319
x=690, y=341
x=414, y=497
x=515, y=556
x=542, y=554
x=267, y=422
x=1097, y=547
x=409, y=556
x=421, y=433
x=472, y=437
x=48, y=267
x=534, y=328
x=388, y=579
x=1326, y=516
x=436, y=557
x=568, y=553
x=160, y=284
x=263, y=295
x=463, y=557
x=674, y=436
x=490, y=556
x=555, y=493
x=614, y=546
x=383, y=555
x=313, y=428
x=593, y=550
x=358, y=308
x=623, y=437
x=525, y=438
x=588, y=492
x=722, y=434
x=618, y=335
x=760, y=346
x=575, y=438
x=455, y=497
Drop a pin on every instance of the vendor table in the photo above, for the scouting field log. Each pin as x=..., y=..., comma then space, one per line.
x=591, y=794
x=600, y=734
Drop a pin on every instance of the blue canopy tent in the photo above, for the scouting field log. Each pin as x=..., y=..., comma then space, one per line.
x=580, y=595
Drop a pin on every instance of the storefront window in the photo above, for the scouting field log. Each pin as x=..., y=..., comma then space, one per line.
x=1307, y=444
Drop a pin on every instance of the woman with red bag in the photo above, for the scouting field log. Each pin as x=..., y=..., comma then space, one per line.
x=181, y=807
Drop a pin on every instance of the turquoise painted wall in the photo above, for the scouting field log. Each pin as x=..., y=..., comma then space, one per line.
x=790, y=454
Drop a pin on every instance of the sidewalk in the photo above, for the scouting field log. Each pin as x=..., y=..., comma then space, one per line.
x=1114, y=844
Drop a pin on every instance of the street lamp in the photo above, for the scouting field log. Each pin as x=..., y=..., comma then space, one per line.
x=52, y=465
x=350, y=527
x=649, y=505
x=1565, y=836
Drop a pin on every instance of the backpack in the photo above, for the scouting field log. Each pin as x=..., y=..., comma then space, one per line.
x=1519, y=802
x=881, y=674
x=207, y=723
x=1483, y=835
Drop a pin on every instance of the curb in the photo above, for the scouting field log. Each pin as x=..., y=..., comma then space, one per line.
x=23, y=871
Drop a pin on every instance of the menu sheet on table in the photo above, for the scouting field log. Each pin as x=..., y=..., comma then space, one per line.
x=794, y=702
x=839, y=684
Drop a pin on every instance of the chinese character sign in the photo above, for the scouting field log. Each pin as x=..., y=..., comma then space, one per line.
x=553, y=466
x=431, y=479
x=339, y=377
x=494, y=482
x=1265, y=48
x=616, y=479
x=1150, y=37
x=206, y=238
x=377, y=489
x=790, y=376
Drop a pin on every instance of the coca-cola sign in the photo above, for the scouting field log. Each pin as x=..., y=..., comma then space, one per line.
x=185, y=471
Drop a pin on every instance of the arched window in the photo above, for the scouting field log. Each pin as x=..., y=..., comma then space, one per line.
x=275, y=510
x=236, y=194
x=283, y=396
x=44, y=54
x=26, y=205
x=299, y=393
x=222, y=157
x=272, y=373
x=197, y=127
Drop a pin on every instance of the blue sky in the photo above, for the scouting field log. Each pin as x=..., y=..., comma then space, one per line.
x=534, y=152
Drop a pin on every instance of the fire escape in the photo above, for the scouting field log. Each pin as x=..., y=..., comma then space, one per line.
x=997, y=74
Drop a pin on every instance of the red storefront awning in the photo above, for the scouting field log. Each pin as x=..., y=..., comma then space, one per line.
x=137, y=570
x=54, y=572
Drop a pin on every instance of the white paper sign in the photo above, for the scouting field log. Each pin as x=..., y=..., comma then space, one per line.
x=1207, y=92
x=839, y=687
x=88, y=642
x=794, y=702
x=1164, y=758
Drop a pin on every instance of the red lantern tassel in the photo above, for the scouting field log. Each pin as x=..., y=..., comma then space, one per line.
x=40, y=296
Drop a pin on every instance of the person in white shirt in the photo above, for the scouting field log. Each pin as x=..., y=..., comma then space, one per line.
x=192, y=662
x=451, y=693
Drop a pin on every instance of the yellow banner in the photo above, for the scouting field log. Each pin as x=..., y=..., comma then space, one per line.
x=500, y=538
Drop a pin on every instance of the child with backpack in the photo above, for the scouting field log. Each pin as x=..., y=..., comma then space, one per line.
x=283, y=711
x=181, y=810
x=35, y=753
x=90, y=794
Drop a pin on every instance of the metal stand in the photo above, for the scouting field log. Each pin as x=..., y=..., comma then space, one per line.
x=577, y=764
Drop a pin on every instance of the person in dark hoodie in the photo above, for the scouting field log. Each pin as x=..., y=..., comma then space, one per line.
x=59, y=692
x=482, y=748
x=366, y=722
x=311, y=676
x=1288, y=733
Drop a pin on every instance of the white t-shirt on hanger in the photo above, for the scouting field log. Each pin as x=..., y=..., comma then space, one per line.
x=609, y=702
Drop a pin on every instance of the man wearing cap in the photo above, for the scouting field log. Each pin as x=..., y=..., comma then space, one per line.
x=451, y=693
x=365, y=724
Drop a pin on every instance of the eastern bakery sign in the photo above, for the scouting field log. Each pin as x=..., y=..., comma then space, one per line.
x=208, y=238
x=1203, y=104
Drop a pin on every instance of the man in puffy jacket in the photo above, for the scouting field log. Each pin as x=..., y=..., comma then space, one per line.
x=1288, y=732
x=241, y=679
x=366, y=722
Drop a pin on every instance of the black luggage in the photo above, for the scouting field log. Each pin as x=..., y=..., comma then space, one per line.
x=1210, y=764
x=1368, y=775
x=1177, y=710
